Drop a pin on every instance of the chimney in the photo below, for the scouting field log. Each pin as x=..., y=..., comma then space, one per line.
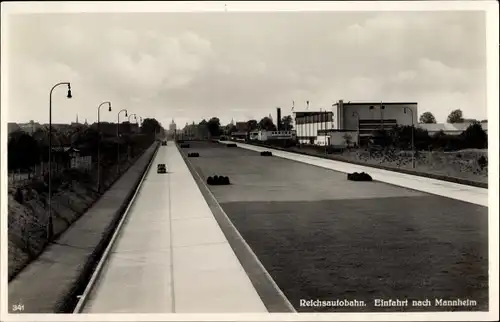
x=278, y=121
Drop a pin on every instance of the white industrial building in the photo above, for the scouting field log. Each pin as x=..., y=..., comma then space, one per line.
x=355, y=120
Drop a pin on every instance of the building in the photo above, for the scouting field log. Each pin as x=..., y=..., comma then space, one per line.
x=261, y=135
x=308, y=123
x=13, y=127
x=358, y=119
x=241, y=126
x=172, y=128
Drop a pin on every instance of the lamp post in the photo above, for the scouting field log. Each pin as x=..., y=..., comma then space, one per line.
x=134, y=115
x=412, y=137
x=118, y=139
x=50, y=226
x=357, y=127
x=128, y=147
x=99, y=143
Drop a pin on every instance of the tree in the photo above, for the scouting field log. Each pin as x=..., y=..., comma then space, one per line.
x=287, y=123
x=475, y=137
x=252, y=125
x=151, y=126
x=267, y=124
x=23, y=151
x=213, y=126
x=427, y=118
x=230, y=128
x=347, y=139
x=456, y=116
x=86, y=140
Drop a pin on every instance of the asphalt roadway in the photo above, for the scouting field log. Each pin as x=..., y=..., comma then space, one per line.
x=322, y=237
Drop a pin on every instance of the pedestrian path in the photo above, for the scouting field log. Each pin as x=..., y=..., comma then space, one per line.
x=452, y=190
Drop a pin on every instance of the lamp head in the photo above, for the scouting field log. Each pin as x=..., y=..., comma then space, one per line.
x=382, y=107
x=69, y=92
x=126, y=114
x=109, y=107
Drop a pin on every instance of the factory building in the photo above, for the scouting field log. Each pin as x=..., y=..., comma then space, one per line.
x=356, y=120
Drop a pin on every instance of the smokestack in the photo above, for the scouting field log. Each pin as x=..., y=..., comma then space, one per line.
x=278, y=122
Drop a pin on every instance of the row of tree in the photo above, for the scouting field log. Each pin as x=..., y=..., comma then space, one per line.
x=214, y=128
x=474, y=137
x=26, y=150
x=455, y=116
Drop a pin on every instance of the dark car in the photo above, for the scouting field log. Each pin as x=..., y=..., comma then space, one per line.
x=162, y=168
x=163, y=142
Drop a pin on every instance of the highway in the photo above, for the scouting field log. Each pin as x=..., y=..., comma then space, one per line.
x=317, y=235
x=320, y=236
x=169, y=255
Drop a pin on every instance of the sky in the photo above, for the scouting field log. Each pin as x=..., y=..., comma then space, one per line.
x=190, y=66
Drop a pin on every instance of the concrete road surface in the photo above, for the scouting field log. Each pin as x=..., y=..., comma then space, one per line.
x=323, y=237
x=171, y=255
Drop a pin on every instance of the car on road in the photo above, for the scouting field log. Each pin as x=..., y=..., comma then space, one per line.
x=163, y=142
x=162, y=168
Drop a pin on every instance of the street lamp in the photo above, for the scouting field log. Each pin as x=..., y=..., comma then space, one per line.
x=118, y=139
x=50, y=225
x=99, y=143
x=135, y=117
x=357, y=127
x=412, y=137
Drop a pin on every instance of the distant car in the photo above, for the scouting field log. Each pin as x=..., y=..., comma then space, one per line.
x=162, y=168
x=163, y=142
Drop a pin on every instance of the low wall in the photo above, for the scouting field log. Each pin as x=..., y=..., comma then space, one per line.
x=405, y=171
x=52, y=283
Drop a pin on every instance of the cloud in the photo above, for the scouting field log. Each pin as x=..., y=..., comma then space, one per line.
x=190, y=66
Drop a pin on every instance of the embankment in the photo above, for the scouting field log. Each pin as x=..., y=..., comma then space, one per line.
x=52, y=282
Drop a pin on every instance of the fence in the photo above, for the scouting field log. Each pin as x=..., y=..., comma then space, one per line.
x=40, y=170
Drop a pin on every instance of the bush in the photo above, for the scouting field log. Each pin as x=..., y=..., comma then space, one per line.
x=359, y=176
x=218, y=180
x=185, y=145
x=193, y=155
x=231, y=145
x=18, y=196
x=475, y=137
x=482, y=162
x=266, y=153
